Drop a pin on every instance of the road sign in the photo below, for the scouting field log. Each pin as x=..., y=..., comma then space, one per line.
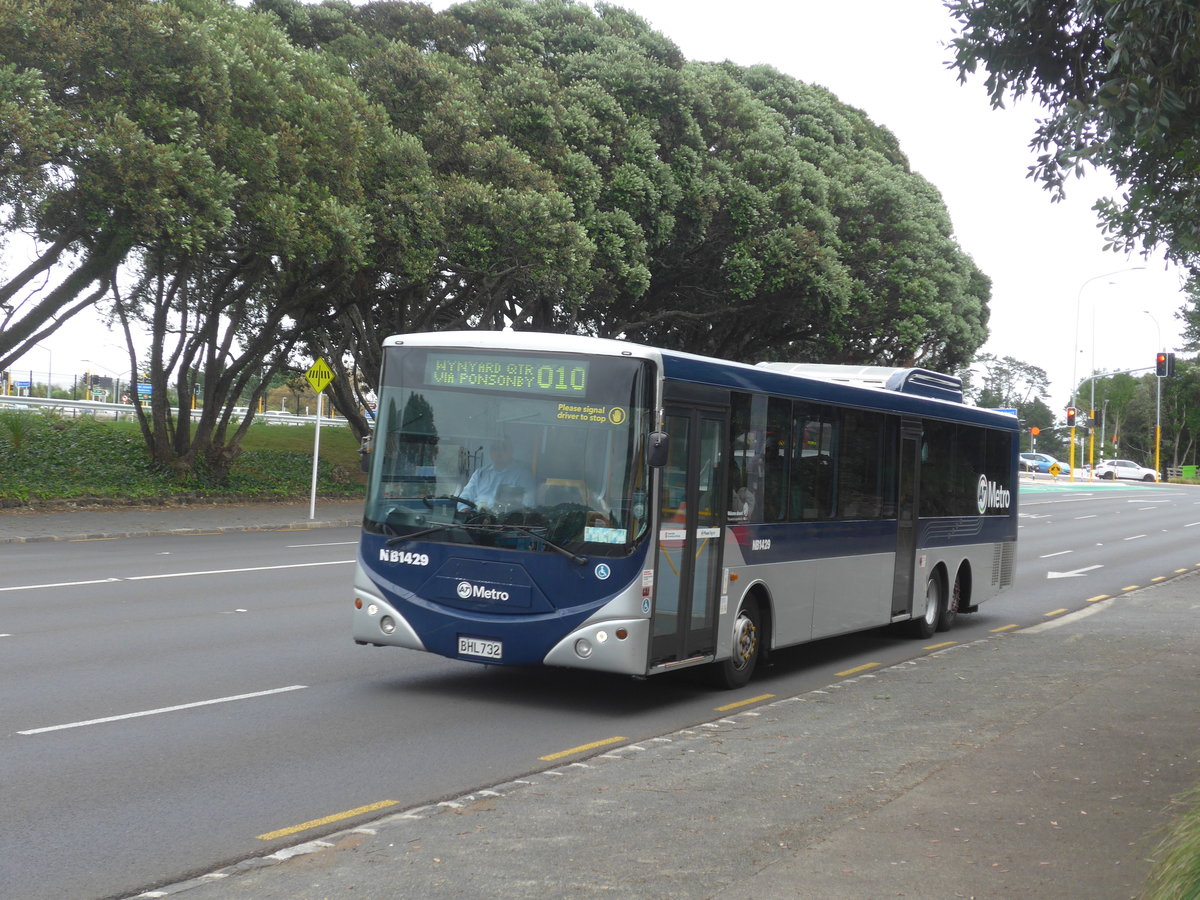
x=1055, y=470
x=319, y=375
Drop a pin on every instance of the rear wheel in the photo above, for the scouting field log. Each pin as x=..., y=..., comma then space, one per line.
x=735, y=672
x=926, y=624
x=950, y=609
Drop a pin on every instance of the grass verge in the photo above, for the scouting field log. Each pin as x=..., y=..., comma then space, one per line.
x=46, y=459
x=1176, y=874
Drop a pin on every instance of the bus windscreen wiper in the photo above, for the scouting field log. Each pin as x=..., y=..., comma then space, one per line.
x=493, y=529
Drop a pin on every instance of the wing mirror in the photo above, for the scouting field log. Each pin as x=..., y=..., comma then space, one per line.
x=660, y=444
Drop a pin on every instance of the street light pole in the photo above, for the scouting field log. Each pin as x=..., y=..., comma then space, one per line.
x=1075, y=358
x=1157, y=407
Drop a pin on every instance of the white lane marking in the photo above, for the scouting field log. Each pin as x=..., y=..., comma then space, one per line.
x=66, y=584
x=1059, y=553
x=1077, y=518
x=165, y=709
x=334, y=562
x=1076, y=573
x=1134, y=537
x=1191, y=524
x=34, y=587
x=329, y=544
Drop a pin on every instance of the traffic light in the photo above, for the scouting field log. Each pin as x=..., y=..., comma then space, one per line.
x=1070, y=417
x=1164, y=364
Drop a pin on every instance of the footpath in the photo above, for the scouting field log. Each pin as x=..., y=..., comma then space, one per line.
x=1042, y=762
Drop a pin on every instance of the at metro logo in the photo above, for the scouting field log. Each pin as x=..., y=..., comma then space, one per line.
x=468, y=591
x=990, y=495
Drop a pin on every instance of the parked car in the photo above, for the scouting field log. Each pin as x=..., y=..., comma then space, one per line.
x=1112, y=469
x=1041, y=462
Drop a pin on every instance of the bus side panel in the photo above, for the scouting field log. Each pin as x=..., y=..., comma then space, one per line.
x=853, y=593
x=985, y=544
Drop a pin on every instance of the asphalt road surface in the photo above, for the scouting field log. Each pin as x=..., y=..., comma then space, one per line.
x=171, y=704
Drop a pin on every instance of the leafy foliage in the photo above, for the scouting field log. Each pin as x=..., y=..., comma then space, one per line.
x=1121, y=81
x=291, y=180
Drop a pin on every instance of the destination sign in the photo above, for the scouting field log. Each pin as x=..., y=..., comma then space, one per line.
x=556, y=376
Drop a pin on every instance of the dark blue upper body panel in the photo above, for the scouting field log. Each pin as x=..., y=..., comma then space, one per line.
x=740, y=377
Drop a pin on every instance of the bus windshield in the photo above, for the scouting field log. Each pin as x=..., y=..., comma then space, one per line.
x=514, y=450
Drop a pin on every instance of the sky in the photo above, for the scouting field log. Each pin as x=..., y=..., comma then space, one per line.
x=1059, y=300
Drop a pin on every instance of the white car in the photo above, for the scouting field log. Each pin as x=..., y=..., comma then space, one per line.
x=1112, y=469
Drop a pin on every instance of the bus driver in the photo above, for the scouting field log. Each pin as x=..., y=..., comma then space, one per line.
x=503, y=471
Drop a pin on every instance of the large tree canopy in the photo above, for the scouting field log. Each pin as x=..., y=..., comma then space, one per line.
x=256, y=184
x=1121, y=82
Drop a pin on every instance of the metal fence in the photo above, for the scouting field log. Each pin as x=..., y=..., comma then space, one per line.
x=125, y=411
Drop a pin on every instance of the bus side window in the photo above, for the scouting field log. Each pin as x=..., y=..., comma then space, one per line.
x=745, y=463
x=813, y=463
x=775, y=460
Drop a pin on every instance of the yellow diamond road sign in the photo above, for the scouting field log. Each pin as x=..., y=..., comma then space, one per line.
x=319, y=375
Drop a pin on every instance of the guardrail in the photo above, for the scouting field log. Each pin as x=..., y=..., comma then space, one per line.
x=126, y=412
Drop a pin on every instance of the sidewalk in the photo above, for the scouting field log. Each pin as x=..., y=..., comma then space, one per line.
x=93, y=522
x=1039, y=763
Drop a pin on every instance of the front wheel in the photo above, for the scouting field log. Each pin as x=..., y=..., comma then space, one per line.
x=735, y=672
x=1148, y=478
x=924, y=626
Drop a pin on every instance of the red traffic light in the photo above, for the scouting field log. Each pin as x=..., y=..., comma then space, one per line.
x=1164, y=364
x=1071, y=416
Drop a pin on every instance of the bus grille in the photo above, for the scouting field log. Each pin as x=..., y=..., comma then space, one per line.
x=1002, y=564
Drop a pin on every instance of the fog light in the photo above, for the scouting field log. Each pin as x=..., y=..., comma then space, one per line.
x=372, y=609
x=583, y=648
x=601, y=637
x=387, y=624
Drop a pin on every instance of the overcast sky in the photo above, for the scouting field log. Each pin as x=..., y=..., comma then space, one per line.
x=887, y=57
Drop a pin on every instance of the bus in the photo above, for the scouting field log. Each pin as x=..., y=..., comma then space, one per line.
x=569, y=501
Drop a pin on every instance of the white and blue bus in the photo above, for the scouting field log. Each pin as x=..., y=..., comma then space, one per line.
x=647, y=510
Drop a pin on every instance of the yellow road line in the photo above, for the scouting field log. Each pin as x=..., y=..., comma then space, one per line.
x=1181, y=571
x=582, y=748
x=728, y=706
x=328, y=820
x=1004, y=628
x=1057, y=612
x=941, y=645
x=856, y=670
x=1097, y=597
x=1131, y=587
x=1159, y=578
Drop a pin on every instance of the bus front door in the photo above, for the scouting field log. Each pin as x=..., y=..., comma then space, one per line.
x=687, y=581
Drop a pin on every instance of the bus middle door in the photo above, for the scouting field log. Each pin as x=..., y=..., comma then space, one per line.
x=688, y=556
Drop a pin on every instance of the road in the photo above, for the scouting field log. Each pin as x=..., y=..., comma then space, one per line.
x=172, y=704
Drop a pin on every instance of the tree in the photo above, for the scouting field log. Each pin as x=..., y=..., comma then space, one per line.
x=1007, y=383
x=226, y=316
x=916, y=297
x=102, y=112
x=1121, y=83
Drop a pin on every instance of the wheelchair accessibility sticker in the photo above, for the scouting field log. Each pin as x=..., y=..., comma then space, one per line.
x=603, y=571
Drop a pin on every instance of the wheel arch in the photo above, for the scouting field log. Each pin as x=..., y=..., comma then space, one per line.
x=965, y=578
x=761, y=594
